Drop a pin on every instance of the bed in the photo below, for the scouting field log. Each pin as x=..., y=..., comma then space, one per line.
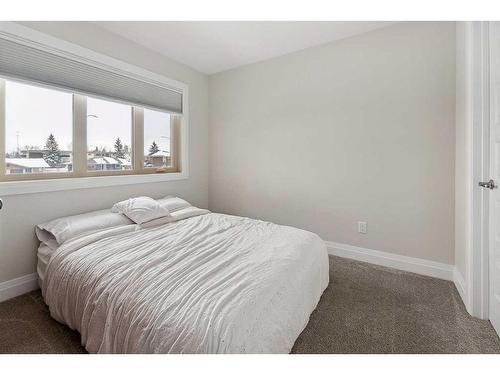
x=195, y=282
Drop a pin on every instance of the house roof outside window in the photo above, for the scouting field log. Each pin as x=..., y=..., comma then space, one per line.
x=161, y=154
x=28, y=163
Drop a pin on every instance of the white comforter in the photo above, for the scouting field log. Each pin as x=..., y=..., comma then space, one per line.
x=207, y=284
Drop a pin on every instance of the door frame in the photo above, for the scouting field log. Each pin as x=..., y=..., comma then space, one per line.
x=478, y=100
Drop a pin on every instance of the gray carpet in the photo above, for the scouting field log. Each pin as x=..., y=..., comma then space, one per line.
x=365, y=309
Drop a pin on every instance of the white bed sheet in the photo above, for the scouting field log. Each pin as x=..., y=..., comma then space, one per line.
x=206, y=284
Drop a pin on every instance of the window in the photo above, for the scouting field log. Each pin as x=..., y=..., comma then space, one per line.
x=50, y=133
x=109, y=136
x=38, y=130
x=157, y=139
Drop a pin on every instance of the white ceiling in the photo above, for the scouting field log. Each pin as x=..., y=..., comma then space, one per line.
x=212, y=47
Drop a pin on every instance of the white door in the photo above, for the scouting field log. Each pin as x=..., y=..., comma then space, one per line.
x=494, y=258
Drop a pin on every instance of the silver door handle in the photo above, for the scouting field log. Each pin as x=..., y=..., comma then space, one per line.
x=490, y=184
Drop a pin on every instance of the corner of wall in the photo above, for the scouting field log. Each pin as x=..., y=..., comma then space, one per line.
x=461, y=285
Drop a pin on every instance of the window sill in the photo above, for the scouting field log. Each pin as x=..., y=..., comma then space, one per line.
x=40, y=186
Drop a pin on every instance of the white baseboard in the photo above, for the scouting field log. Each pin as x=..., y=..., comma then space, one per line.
x=400, y=262
x=16, y=287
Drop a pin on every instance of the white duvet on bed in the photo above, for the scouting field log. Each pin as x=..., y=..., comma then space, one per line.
x=206, y=284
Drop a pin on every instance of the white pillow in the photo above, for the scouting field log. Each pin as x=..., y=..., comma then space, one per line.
x=141, y=209
x=64, y=228
x=173, y=203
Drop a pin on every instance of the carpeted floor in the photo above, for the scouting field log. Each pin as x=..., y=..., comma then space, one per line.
x=365, y=309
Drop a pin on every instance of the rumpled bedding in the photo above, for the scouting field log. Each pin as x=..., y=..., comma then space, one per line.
x=205, y=283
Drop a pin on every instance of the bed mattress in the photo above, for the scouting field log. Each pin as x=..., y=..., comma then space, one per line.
x=211, y=283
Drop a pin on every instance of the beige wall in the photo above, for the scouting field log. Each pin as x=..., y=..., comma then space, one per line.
x=359, y=129
x=22, y=212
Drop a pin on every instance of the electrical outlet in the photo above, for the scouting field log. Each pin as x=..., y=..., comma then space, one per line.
x=362, y=227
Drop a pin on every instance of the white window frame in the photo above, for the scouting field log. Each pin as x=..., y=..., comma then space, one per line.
x=43, y=41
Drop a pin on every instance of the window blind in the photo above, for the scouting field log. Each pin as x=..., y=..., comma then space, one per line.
x=33, y=64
